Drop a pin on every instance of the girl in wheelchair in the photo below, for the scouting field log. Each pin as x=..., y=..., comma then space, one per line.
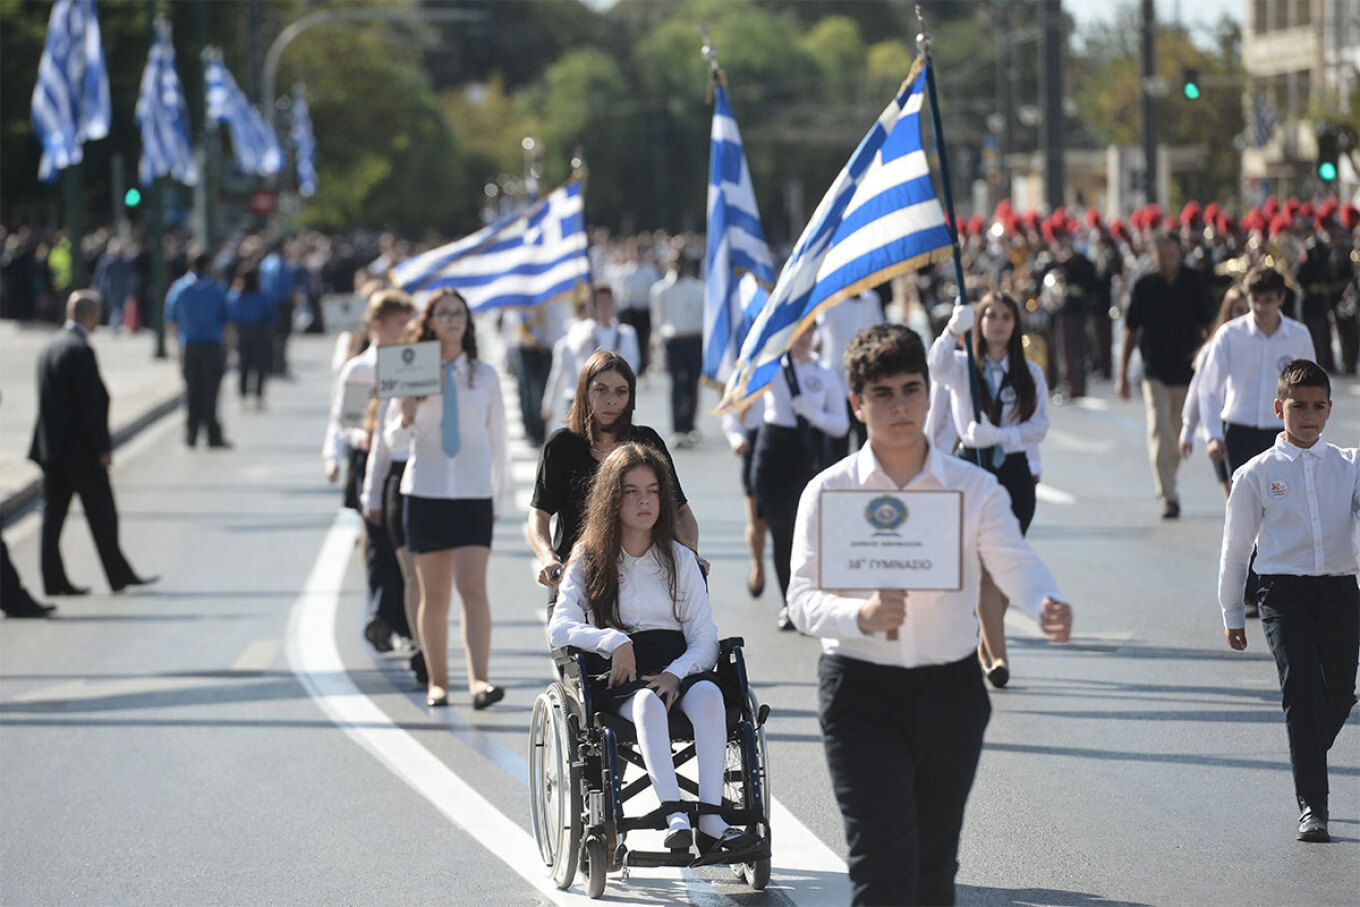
x=632, y=593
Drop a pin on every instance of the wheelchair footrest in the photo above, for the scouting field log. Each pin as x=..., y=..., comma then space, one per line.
x=716, y=857
x=661, y=858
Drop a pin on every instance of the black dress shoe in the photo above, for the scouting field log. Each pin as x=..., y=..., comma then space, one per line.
x=1313, y=825
x=783, y=621
x=68, y=589
x=378, y=634
x=735, y=846
x=490, y=695
x=134, y=581
x=31, y=609
x=418, y=668
x=1171, y=510
x=680, y=839
x=437, y=700
x=753, y=588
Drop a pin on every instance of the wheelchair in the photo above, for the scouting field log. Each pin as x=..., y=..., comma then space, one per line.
x=578, y=756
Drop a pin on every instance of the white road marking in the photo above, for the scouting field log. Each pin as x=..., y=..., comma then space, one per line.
x=314, y=658
x=259, y=655
x=1050, y=495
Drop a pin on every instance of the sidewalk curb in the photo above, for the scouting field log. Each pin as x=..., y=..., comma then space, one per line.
x=20, y=501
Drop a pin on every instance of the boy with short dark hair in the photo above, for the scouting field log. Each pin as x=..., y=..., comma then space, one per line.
x=900, y=769
x=1298, y=502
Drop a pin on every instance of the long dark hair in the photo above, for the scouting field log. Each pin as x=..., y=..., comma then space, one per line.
x=424, y=328
x=602, y=538
x=1026, y=395
x=580, y=421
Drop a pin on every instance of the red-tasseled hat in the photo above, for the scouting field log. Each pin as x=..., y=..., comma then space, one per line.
x=1030, y=219
x=1092, y=217
x=1169, y=223
x=1292, y=206
x=1190, y=213
x=976, y=224
x=1350, y=216
x=1281, y=223
x=1117, y=230
x=1254, y=220
x=1271, y=207
x=1306, y=211
x=1224, y=223
x=1211, y=212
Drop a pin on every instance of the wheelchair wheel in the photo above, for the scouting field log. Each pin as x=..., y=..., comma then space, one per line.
x=596, y=865
x=554, y=786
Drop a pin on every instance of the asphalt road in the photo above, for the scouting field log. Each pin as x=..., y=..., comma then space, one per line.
x=225, y=737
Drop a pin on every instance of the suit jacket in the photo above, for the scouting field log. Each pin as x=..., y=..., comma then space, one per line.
x=73, y=404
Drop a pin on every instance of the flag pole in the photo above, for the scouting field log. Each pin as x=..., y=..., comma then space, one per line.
x=923, y=44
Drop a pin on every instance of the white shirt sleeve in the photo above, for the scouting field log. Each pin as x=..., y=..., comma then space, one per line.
x=395, y=435
x=379, y=463
x=500, y=438
x=1014, y=566
x=1190, y=413
x=696, y=617
x=1035, y=428
x=831, y=418
x=570, y=624
x=628, y=346
x=1213, y=377
x=335, y=444
x=813, y=610
x=1241, y=524
x=945, y=366
x=555, y=391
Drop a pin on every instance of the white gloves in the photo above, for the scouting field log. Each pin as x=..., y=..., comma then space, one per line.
x=961, y=322
x=981, y=434
x=804, y=407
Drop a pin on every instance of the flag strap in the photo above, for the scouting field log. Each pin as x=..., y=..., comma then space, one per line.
x=924, y=44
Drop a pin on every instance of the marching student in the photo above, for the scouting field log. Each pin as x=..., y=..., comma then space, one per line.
x=456, y=476
x=599, y=330
x=1234, y=306
x=634, y=593
x=805, y=396
x=1014, y=402
x=902, y=719
x=835, y=327
x=1298, y=503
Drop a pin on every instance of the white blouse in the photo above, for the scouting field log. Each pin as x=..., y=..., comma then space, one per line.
x=644, y=604
x=482, y=467
x=949, y=367
x=821, y=387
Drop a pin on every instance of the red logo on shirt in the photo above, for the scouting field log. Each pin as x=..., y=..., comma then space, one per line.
x=1278, y=489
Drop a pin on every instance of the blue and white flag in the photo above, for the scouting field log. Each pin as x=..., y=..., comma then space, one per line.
x=71, y=99
x=304, y=143
x=879, y=218
x=253, y=139
x=1264, y=119
x=162, y=116
x=526, y=260
x=736, y=242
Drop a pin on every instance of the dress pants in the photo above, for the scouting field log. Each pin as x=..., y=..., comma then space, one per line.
x=1163, y=404
x=1319, y=326
x=639, y=319
x=254, y=349
x=902, y=745
x=203, y=366
x=91, y=482
x=531, y=374
x=1071, y=323
x=386, y=589
x=684, y=362
x=1312, y=624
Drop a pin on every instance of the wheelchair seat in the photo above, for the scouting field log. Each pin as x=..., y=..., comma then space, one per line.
x=681, y=730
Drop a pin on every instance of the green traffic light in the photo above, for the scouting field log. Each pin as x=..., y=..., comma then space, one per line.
x=1327, y=171
x=1192, y=91
x=132, y=198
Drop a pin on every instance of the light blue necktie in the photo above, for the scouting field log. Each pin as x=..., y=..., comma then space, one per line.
x=449, y=437
x=996, y=372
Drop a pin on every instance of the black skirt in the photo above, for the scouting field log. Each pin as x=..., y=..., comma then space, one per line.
x=394, y=504
x=780, y=470
x=1015, y=477
x=653, y=651
x=440, y=524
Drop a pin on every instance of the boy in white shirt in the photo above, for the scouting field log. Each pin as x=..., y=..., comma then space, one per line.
x=1298, y=502
x=901, y=770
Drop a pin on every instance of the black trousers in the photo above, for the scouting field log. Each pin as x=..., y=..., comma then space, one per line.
x=1244, y=442
x=781, y=467
x=1312, y=624
x=283, y=326
x=203, y=365
x=531, y=374
x=91, y=482
x=254, y=349
x=386, y=589
x=640, y=320
x=836, y=449
x=684, y=362
x=902, y=745
x=1071, y=322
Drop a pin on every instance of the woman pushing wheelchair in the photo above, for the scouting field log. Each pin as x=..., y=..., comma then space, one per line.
x=633, y=593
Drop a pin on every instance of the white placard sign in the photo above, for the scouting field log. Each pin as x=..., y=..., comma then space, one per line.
x=409, y=370
x=354, y=405
x=910, y=540
x=342, y=312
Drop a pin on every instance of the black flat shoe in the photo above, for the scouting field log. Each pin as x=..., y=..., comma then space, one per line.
x=68, y=589
x=680, y=839
x=490, y=695
x=134, y=581
x=378, y=634
x=418, y=668
x=31, y=609
x=437, y=701
x=753, y=588
x=998, y=675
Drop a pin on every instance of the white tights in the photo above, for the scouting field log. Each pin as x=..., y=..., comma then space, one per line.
x=703, y=705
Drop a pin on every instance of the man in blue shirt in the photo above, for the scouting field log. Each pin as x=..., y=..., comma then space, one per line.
x=278, y=281
x=196, y=307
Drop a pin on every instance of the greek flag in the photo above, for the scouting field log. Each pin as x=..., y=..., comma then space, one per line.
x=71, y=99
x=253, y=139
x=304, y=143
x=162, y=116
x=736, y=242
x=1264, y=119
x=526, y=260
x=879, y=218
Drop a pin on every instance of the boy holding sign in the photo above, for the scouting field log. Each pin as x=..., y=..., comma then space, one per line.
x=902, y=702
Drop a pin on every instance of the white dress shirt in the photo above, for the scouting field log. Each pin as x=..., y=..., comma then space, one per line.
x=940, y=627
x=949, y=368
x=381, y=456
x=361, y=370
x=738, y=424
x=1298, y=507
x=1241, y=370
x=632, y=283
x=820, y=387
x=482, y=467
x=583, y=339
x=838, y=325
x=644, y=604
x=678, y=306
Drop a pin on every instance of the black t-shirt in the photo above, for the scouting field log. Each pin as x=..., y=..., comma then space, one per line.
x=566, y=471
x=1169, y=316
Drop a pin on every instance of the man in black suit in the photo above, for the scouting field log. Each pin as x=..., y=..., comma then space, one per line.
x=72, y=445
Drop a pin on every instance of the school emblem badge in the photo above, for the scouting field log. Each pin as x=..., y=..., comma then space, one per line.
x=1008, y=395
x=885, y=513
x=1278, y=489
x=408, y=356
